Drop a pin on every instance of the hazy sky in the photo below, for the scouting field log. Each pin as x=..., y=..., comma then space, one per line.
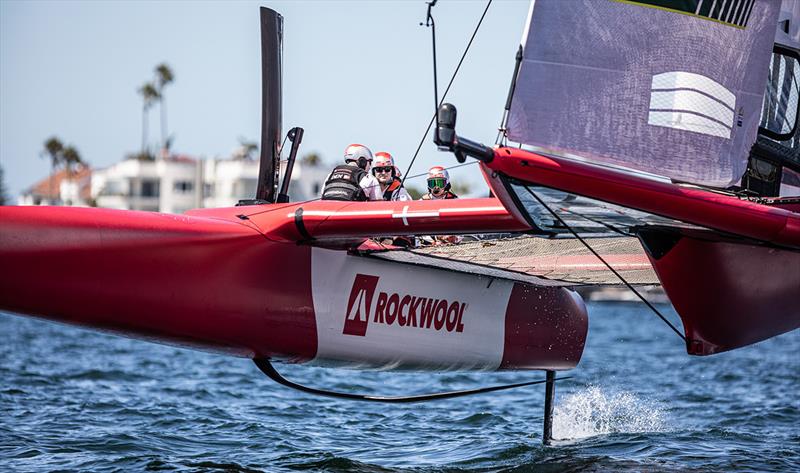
x=353, y=72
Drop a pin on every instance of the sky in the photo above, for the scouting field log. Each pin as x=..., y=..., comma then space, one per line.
x=353, y=72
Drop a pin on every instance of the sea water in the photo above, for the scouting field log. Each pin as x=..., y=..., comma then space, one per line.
x=72, y=399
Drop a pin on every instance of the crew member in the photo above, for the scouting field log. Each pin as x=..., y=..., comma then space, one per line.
x=389, y=177
x=439, y=188
x=438, y=184
x=352, y=180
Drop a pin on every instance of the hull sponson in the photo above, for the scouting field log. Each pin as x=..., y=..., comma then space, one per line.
x=730, y=294
x=196, y=282
x=380, y=314
x=218, y=283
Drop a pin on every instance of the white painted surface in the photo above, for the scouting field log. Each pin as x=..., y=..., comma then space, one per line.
x=478, y=346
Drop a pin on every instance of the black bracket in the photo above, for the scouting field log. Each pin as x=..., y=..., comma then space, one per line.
x=446, y=138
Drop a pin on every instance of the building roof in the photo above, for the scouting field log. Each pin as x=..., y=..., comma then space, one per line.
x=49, y=187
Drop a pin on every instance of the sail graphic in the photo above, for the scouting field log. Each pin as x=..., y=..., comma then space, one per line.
x=692, y=102
x=669, y=87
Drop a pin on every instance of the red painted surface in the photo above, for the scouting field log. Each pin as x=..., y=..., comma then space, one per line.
x=215, y=281
x=716, y=211
x=730, y=295
x=545, y=328
x=353, y=220
x=204, y=283
x=542, y=264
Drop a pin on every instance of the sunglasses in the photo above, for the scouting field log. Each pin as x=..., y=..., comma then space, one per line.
x=383, y=169
x=436, y=182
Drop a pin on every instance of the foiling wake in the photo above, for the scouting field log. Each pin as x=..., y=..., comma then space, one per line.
x=595, y=411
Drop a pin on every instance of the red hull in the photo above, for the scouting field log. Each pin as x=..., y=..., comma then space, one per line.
x=223, y=283
x=728, y=293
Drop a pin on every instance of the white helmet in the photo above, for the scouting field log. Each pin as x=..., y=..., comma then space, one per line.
x=359, y=154
x=385, y=160
x=438, y=178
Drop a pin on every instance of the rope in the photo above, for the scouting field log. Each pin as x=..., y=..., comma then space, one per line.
x=461, y=61
x=664, y=319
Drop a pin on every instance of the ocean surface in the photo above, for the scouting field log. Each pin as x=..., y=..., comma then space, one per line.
x=76, y=400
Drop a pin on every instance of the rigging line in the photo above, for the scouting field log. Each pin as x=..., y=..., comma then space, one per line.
x=611, y=227
x=266, y=367
x=629, y=286
x=429, y=22
x=461, y=61
x=280, y=150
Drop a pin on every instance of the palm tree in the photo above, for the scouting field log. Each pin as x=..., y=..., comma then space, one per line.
x=70, y=157
x=3, y=198
x=164, y=76
x=53, y=148
x=311, y=160
x=149, y=96
x=247, y=149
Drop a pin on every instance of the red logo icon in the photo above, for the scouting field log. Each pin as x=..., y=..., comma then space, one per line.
x=359, y=305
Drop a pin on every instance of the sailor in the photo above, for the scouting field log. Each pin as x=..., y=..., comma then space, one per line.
x=439, y=188
x=352, y=180
x=389, y=177
x=438, y=184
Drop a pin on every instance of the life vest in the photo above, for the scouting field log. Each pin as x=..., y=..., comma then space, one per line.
x=388, y=194
x=344, y=183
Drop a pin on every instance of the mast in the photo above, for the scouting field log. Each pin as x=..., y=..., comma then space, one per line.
x=271, y=106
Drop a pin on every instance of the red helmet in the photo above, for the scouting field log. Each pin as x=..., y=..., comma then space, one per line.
x=438, y=178
x=382, y=161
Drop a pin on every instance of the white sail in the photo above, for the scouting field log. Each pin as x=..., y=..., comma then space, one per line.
x=671, y=87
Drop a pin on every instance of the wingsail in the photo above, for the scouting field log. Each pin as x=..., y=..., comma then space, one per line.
x=630, y=83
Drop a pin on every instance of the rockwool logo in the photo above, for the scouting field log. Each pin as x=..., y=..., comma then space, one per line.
x=359, y=305
x=403, y=310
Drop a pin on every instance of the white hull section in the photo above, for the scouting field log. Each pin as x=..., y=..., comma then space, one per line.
x=391, y=315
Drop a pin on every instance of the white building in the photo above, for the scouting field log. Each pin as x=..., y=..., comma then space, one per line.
x=60, y=188
x=164, y=185
x=227, y=181
x=179, y=183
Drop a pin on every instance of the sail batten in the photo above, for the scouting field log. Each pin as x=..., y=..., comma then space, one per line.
x=673, y=88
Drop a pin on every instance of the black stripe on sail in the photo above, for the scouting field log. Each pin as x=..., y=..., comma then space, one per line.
x=749, y=11
x=729, y=12
x=716, y=9
x=728, y=126
x=696, y=91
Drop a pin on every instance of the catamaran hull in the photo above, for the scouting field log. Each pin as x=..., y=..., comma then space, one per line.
x=224, y=285
x=728, y=294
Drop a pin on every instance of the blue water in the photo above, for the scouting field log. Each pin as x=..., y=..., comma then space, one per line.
x=72, y=399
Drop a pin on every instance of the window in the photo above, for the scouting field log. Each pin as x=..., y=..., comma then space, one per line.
x=782, y=99
x=208, y=189
x=183, y=187
x=245, y=188
x=113, y=187
x=149, y=188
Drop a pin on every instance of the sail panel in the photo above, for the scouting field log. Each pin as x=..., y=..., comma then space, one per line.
x=664, y=86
